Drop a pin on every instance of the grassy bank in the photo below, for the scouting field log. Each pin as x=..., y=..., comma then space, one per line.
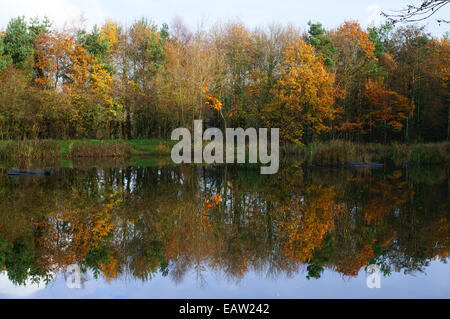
x=333, y=153
x=53, y=149
x=114, y=148
x=340, y=153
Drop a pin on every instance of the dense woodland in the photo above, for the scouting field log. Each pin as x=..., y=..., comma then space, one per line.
x=382, y=84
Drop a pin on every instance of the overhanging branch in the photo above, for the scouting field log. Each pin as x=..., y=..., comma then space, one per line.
x=413, y=13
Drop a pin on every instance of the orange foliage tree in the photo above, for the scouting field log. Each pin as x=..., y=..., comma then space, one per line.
x=304, y=96
x=386, y=107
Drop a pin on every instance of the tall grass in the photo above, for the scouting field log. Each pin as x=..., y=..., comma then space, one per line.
x=341, y=152
x=432, y=153
x=163, y=149
x=29, y=153
x=29, y=149
x=99, y=149
x=337, y=153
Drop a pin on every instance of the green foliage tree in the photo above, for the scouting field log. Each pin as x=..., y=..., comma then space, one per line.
x=317, y=36
x=5, y=60
x=95, y=45
x=380, y=36
x=18, y=43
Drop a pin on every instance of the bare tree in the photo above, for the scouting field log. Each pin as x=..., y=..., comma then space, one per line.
x=415, y=13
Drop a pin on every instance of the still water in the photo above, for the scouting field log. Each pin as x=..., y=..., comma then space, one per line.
x=163, y=231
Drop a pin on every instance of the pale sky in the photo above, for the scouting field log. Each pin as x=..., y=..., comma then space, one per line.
x=194, y=12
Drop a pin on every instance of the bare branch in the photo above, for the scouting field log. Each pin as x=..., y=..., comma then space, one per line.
x=413, y=13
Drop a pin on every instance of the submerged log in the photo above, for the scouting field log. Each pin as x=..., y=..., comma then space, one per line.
x=357, y=164
x=27, y=172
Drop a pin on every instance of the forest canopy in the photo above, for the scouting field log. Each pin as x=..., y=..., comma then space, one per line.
x=381, y=84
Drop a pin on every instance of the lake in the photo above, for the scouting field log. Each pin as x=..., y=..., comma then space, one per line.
x=119, y=230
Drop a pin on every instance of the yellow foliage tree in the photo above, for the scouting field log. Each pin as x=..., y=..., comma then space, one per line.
x=304, y=97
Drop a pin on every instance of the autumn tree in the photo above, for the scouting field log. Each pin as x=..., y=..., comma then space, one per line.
x=415, y=78
x=305, y=96
x=191, y=65
x=52, y=59
x=110, y=32
x=268, y=46
x=356, y=58
x=387, y=109
x=437, y=117
x=234, y=45
x=146, y=57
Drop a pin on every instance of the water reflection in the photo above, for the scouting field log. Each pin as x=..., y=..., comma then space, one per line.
x=147, y=222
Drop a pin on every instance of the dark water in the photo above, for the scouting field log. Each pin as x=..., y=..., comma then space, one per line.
x=225, y=232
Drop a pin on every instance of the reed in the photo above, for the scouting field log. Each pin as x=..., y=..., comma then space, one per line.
x=337, y=153
x=163, y=149
x=99, y=149
x=29, y=150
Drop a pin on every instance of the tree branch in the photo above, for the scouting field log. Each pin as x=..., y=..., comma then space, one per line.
x=413, y=13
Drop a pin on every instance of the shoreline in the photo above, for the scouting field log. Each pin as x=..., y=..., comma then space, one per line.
x=336, y=153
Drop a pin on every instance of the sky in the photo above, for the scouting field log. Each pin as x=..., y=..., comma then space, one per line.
x=207, y=12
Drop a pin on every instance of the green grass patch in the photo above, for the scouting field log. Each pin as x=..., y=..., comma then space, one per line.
x=86, y=148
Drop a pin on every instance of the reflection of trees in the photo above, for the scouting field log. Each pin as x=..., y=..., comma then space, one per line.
x=138, y=222
x=305, y=220
x=389, y=220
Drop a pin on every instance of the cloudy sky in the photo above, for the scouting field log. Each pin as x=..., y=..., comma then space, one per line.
x=194, y=12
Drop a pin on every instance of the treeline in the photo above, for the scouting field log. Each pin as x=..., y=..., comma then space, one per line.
x=382, y=84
